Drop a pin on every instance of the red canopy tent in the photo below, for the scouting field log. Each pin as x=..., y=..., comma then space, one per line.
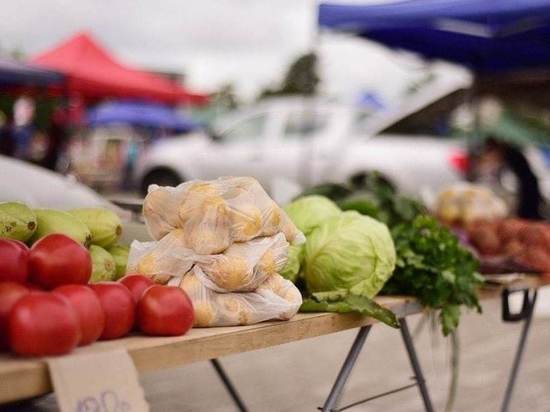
x=92, y=73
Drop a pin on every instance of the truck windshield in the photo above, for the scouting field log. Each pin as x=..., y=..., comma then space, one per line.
x=246, y=130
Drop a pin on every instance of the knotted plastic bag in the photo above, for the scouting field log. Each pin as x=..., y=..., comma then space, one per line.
x=244, y=266
x=215, y=214
x=168, y=256
x=275, y=298
x=465, y=203
x=240, y=268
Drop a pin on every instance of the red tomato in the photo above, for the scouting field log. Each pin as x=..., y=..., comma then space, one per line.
x=43, y=324
x=165, y=311
x=10, y=293
x=33, y=287
x=23, y=246
x=87, y=306
x=57, y=260
x=14, y=260
x=136, y=284
x=119, y=308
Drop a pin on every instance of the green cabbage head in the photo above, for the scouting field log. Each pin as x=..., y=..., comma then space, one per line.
x=349, y=252
x=309, y=212
x=294, y=262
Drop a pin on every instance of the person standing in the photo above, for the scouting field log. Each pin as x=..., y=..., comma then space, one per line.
x=57, y=139
x=7, y=139
x=23, y=131
x=512, y=158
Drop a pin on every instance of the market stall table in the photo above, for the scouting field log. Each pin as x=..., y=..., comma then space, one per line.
x=27, y=378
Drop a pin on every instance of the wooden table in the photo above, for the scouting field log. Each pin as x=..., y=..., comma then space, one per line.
x=27, y=378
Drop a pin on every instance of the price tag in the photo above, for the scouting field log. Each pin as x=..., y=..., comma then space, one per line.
x=97, y=382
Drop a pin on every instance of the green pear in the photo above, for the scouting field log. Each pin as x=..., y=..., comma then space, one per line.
x=17, y=221
x=120, y=254
x=103, y=265
x=105, y=225
x=57, y=221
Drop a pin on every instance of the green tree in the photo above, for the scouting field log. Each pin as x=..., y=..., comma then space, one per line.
x=226, y=97
x=301, y=78
x=17, y=53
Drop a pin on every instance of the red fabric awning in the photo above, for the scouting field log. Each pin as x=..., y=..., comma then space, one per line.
x=93, y=73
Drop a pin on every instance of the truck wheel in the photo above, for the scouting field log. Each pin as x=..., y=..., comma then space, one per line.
x=161, y=177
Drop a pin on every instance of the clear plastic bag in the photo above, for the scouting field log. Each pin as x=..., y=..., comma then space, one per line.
x=244, y=266
x=240, y=268
x=466, y=203
x=275, y=298
x=215, y=214
x=160, y=210
x=167, y=256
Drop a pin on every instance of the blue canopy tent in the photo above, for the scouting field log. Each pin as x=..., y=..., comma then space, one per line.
x=14, y=73
x=486, y=36
x=140, y=114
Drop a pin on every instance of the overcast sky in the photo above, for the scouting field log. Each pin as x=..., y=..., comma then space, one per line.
x=245, y=42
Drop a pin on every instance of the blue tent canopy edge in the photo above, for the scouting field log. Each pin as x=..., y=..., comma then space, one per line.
x=15, y=73
x=140, y=114
x=484, y=35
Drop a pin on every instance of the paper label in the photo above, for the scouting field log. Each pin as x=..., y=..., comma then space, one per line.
x=97, y=382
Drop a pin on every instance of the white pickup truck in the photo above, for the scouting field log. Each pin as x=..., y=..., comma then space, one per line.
x=306, y=142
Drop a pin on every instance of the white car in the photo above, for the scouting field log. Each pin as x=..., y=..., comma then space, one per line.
x=306, y=142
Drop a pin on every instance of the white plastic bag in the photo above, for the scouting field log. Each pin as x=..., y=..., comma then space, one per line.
x=276, y=298
x=466, y=203
x=240, y=268
x=160, y=210
x=244, y=266
x=167, y=256
x=215, y=214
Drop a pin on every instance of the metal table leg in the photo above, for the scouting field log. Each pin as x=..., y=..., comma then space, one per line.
x=228, y=385
x=519, y=351
x=332, y=400
x=419, y=376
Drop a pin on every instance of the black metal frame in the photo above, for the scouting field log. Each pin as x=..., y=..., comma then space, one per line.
x=331, y=404
x=526, y=315
x=415, y=365
x=345, y=371
x=229, y=385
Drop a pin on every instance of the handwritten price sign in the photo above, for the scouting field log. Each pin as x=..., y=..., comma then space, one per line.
x=107, y=401
x=97, y=382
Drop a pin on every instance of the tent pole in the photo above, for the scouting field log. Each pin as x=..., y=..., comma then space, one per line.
x=472, y=100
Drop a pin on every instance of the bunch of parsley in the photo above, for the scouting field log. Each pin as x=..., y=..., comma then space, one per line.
x=435, y=268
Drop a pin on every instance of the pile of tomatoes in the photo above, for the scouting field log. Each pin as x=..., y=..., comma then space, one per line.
x=48, y=308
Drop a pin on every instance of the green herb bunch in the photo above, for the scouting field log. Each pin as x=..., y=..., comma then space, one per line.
x=432, y=266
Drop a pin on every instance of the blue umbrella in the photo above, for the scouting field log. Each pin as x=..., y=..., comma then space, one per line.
x=140, y=114
x=14, y=73
x=484, y=35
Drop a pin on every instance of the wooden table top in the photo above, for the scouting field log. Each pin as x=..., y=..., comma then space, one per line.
x=29, y=377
